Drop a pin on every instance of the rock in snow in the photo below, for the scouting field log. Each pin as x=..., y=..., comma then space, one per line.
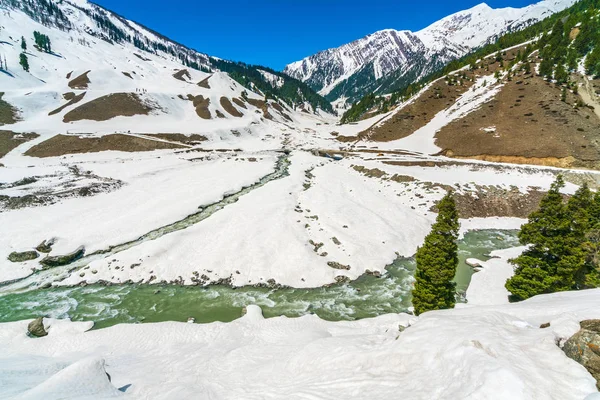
x=584, y=347
x=36, y=327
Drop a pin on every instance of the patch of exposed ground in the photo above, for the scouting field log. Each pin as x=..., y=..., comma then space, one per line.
x=201, y=105
x=577, y=178
x=377, y=173
x=227, y=106
x=472, y=201
x=286, y=117
x=281, y=111
x=109, y=106
x=346, y=139
x=179, y=137
x=182, y=74
x=204, y=83
x=219, y=114
x=419, y=113
x=492, y=201
x=257, y=103
x=262, y=105
x=72, y=99
x=8, y=114
x=60, y=145
x=141, y=57
x=10, y=140
x=527, y=123
x=239, y=102
x=50, y=189
x=81, y=82
x=127, y=74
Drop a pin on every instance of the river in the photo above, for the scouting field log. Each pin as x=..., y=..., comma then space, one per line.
x=368, y=296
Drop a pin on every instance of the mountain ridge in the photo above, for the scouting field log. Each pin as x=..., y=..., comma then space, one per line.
x=367, y=63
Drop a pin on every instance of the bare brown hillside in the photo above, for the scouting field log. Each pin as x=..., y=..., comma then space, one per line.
x=439, y=96
x=10, y=140
x=81, y=82
x=8, y=114
x=71, y=98
x=109, y=106
x=60, y=145
x=227, y=106
x=527, y=122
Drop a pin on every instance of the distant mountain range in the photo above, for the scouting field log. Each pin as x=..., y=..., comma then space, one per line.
x=389, y=59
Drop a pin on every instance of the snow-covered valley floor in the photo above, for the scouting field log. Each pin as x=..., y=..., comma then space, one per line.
x=376, y=206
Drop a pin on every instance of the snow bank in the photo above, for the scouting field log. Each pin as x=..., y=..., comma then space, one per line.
x=487, y=285
x=483, y=352
x=83, y=379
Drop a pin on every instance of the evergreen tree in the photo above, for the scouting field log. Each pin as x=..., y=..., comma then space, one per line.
x=546, y=68
x=592, y=62
x=23, y=44
x=572, y=60
x=42, y=42
x=561, y=75
x=24, y=62
x=543, y=233
x=558, y=253
x=437, y=260
x=573, y=268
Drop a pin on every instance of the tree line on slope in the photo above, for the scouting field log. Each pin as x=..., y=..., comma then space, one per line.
x=42, y=43
x=292, y=91
x=556, y=50
x=568, y=43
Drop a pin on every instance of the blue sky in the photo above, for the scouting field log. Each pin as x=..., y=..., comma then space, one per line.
x=277, y=32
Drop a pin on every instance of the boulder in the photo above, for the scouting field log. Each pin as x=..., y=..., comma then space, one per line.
x=45, y=246
x=337, y=265
x=57, y=261
x=24, y=256
x=36, y=327
x=584, y=347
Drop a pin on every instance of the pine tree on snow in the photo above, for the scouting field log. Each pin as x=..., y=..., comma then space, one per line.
x=437, y=260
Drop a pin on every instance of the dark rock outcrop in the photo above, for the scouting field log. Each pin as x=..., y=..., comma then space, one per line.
x=36, y=328
x=45, y=246
x=337, y=265
x=584, y=347
x=24, y=256
x=57, y=261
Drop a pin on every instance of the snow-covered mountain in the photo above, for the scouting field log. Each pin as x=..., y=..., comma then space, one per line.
x=377, y=61
x=96, y=53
